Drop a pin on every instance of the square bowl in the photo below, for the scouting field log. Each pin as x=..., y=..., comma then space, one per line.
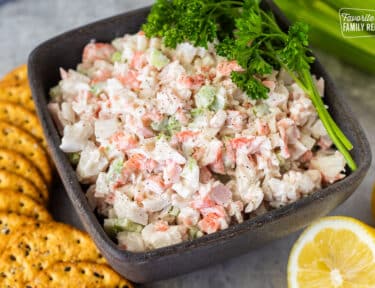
x=65, y=51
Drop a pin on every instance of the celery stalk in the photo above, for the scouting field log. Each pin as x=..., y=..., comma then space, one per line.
x=337, y=4
x=325, y=31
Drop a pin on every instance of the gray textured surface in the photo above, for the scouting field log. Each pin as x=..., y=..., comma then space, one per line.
x=25, y=23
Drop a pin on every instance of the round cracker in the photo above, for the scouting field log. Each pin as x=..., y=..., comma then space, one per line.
x=14, y=138
x=10, y=224
x=17, y=75
x=23, y=118
x=19, y=94
x=14, y=162
x=12, y=201
x=87, y=274
x=36, y=248
x=12, y=181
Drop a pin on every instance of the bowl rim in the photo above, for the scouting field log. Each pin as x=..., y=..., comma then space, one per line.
x=88, y=218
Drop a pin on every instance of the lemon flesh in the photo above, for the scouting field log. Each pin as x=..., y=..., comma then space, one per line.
x=336, y=252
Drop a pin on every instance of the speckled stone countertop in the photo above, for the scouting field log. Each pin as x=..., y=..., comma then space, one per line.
x=26, y=23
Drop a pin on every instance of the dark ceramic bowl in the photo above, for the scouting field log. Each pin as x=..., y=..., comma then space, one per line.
x=65, y=51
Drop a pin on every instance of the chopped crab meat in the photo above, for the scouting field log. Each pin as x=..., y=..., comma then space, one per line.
x=291, y=187
x=221, y=194
x=168, y=102
x=76, y=136
x=235, y=209
x=235, y=120
x=186, y=52
x=156, y=235
x=225, y=68
x=91, y=163
x=188, y=217
x=192, y=82
x=171, y=172
x=105, y=128
x=331, y=165
x=214, y=219
x=155, y=184
x=269, y=84
x=97, y=51
x=156, y=203
x=125, y=208
x=139, y=60
x=218, y=120
x=131, y=241
x=163, y=151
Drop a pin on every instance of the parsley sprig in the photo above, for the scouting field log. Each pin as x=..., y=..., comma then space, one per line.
x=196, y=21
x=252, y=37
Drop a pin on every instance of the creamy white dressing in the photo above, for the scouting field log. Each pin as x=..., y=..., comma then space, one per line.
x=169, y=143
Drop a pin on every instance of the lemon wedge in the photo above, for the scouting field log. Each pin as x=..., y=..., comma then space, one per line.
x=337, y=252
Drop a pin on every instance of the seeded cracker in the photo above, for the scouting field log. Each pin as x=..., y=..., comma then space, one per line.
x=19, y=94
x=12, y=201
x=87, y=274
x=10, y=224
x=16, y=163
x=22, y=118
x=10, y=180
x=17, y=76
x=20, y=141
x=33, y=249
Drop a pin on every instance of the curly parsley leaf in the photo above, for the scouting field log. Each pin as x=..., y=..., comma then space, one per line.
x=196, y=21
x=257, y=44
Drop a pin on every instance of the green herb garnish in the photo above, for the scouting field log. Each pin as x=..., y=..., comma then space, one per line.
x=252, y=37
x=116, y=57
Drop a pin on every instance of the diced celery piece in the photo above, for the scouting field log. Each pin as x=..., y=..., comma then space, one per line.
x=193, y=231
x=205, y=96
x=158, y=59
x=174, y=211
x=97, y=88
x=167, y=126
x=162, y=135
x=173, y=125
x=55, y=92
x=261, y=110
x=160, y=126
x=74, y=158
x=116, y=57
x=115, y=169
x=196, y=112
x=116, y=225
x=219, y=102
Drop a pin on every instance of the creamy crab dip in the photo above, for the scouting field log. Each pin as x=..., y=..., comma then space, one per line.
x=172, y=150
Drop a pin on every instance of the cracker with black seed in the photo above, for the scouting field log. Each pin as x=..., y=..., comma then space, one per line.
x=12, y=201
x=22, y=118
x=12, y=181
x=34, y=249
x=87, y=274
x=16, y=139
x=18, y=94
x=12, y=223
x=17, y=76
x=16, y=163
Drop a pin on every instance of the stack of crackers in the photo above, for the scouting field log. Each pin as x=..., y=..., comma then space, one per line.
x=35, y=251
